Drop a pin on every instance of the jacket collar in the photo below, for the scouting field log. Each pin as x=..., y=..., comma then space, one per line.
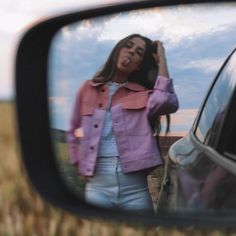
x=134, y=86
x=95, y=84
x=130, y=85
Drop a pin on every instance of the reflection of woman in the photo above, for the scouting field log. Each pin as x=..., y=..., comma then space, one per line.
x=111, y=120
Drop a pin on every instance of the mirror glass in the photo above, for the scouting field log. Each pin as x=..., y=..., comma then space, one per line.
x=109, y=157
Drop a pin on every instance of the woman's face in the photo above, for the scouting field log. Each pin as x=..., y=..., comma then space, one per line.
x=131, y=55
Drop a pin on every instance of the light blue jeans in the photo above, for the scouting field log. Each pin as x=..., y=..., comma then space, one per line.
x=110, y=188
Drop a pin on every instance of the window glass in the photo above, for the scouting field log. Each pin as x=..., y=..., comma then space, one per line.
x=215, y=107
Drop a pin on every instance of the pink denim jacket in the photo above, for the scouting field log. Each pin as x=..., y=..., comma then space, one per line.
x=132, y=106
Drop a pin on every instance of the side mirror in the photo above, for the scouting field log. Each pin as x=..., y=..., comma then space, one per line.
x=56, y=56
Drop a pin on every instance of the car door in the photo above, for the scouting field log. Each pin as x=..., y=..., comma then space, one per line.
x=202, y=165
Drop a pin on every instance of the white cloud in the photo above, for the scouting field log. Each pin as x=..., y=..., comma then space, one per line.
x=171, y=24
x=206, y=65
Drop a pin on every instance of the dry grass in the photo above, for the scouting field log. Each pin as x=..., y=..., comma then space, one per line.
x=24, y=213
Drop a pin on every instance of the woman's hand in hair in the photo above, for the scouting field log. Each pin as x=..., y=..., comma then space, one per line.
x=160, y=59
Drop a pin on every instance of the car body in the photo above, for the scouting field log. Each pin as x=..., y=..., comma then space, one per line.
x=201, y=167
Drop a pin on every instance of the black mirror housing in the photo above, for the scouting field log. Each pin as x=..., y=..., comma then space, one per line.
x=34, y=130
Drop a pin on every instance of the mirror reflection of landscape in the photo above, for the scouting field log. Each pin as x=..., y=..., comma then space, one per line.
x=197, y=39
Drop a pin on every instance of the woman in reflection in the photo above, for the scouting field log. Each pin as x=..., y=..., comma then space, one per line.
x=111, y=120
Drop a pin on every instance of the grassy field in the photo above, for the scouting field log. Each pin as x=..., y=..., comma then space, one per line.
x=24, y=213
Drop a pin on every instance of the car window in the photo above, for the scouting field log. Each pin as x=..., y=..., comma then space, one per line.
x=215, y=107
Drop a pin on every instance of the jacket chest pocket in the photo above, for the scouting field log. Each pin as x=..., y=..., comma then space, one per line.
x=134, y=107
x=136, y=122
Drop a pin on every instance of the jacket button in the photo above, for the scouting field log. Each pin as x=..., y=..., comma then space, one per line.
x=100, y=104
x=95, y=126
x=91, y=148
x=103, y=90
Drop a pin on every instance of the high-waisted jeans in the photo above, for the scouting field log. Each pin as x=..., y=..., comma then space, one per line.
x=109, y=187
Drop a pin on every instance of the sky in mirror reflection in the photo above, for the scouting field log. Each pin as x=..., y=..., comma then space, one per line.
x=197, y=40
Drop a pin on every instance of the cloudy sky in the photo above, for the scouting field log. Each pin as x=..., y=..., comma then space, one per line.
x=197, y=41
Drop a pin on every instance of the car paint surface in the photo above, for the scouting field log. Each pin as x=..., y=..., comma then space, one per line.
x=200, y=173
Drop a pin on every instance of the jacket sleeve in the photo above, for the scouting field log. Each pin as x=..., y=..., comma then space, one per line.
x=163, y=99
x=74, y=124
